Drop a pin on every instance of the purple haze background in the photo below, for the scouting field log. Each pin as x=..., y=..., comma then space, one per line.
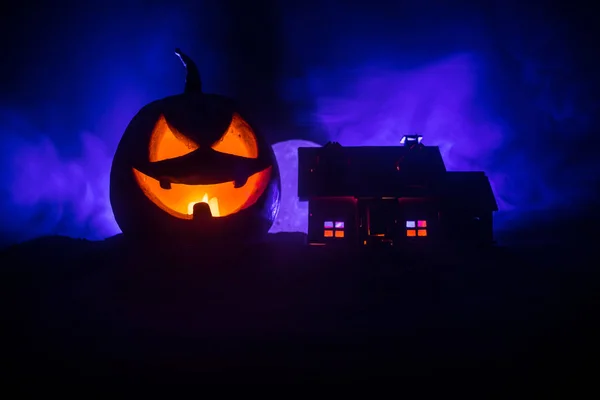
x=498, y=88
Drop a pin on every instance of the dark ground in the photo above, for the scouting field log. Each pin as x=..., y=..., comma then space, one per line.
x=285, y=312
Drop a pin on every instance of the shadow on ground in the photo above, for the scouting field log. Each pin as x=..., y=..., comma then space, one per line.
x=280, y=311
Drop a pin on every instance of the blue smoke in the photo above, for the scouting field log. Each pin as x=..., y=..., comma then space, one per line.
x=499, y=88
x=61, y=124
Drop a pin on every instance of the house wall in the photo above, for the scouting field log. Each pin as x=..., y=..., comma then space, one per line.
x=404, y=221
x=409, y=223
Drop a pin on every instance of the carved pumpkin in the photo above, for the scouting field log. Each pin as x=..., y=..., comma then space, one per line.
x=191, y=165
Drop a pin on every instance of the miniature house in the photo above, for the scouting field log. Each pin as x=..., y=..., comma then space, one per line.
x=399, y=196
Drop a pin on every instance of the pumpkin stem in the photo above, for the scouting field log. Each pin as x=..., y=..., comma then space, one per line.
x=193, y=83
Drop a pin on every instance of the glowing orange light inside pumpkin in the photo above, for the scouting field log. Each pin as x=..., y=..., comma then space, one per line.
x=239, y=139
x=223, y=198
x=166, y=143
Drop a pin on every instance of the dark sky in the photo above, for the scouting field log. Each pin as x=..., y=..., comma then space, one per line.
x=257, y=45
x=74, y=73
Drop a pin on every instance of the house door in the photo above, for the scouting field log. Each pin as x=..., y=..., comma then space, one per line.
x=382, y=218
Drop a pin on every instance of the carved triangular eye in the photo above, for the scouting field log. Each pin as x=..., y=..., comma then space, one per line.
x=238, y=140
x=167, y=143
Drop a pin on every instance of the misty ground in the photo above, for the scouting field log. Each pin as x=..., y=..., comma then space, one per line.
x=281, y=311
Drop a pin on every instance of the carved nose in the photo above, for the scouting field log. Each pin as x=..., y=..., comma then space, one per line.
x=202, y=212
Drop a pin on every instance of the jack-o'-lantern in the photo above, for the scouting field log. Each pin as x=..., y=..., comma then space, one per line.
x=192, y=165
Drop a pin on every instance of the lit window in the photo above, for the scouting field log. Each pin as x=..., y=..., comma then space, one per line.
x=420, y=230
x=333, y=229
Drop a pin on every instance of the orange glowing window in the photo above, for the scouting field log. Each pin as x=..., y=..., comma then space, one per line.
x=333, y=229
x=416, y=228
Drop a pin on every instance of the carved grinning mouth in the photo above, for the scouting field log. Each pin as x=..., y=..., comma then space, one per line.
x=222, y=198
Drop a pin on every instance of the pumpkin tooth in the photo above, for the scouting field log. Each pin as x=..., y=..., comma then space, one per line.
x=239, y=182
x=199, y=212
x=164, y=184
